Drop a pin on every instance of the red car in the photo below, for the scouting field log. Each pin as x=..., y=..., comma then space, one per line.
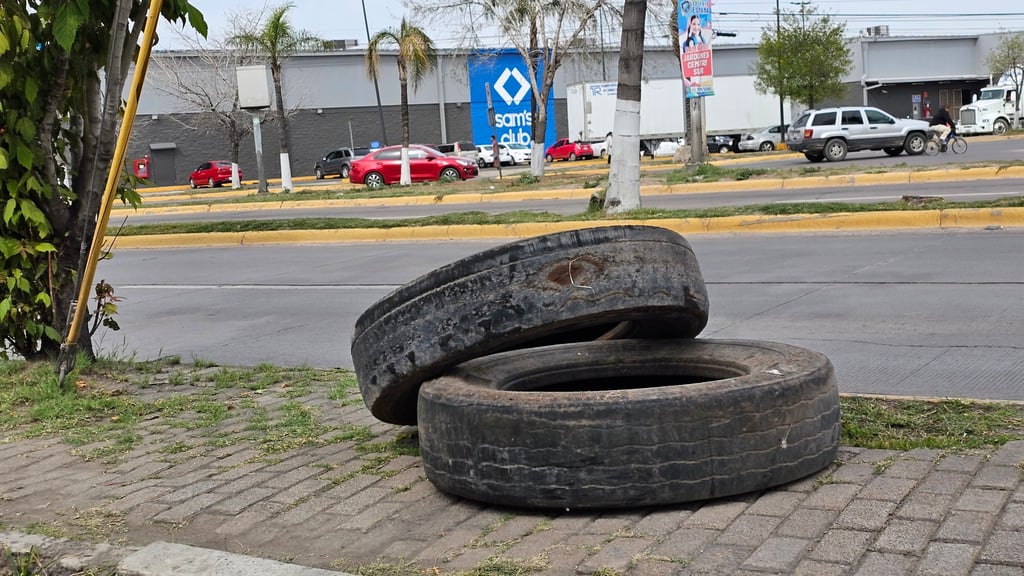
x=564, y=149
x=212, y=174
x=384, y=166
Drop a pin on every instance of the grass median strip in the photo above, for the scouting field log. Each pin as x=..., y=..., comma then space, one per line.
x=278, y=409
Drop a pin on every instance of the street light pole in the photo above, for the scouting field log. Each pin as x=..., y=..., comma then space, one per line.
x=778, y=71
x=376, y=86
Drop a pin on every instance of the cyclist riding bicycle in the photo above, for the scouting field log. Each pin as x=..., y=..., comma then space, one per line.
x=942, y=125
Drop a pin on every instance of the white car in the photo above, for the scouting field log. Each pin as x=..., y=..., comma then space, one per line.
x=764, y=140
x=667, y=148
x=521, y=153
x=485, y=157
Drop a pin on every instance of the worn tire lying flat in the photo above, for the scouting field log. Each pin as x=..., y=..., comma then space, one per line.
x=563, y=287
x=626, y=423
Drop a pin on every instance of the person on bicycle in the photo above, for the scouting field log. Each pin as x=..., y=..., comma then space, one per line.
x=942, y=125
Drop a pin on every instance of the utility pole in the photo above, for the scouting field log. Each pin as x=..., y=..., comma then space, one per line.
x=778, y=71
x=376, y=86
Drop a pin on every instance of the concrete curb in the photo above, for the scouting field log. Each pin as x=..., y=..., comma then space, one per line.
x=895, y=220
x=70, y=557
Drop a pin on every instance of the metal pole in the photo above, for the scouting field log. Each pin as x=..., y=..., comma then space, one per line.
x=376, y=86
x=257, y=137
x=600, y=25
x=778, y=59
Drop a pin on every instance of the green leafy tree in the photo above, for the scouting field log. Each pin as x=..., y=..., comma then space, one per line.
x=276, y=40
x=624, y=177
x=58, y=128
x=415, y=57
x=1006, y=61
x=804, y=59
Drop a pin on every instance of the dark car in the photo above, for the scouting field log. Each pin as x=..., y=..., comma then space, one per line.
x=565, y=149
x=384, y=166
x=338, y=162
x=212, y=174
x=719, y=144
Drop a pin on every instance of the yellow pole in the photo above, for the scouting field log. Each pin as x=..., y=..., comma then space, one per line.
x=141, y=63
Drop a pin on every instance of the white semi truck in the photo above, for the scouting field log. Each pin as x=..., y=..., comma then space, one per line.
x=735, y=108
x=991, y=112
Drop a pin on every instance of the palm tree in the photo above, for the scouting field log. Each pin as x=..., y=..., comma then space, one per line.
x=276, y=41
x=415, y=58
x=624, y=177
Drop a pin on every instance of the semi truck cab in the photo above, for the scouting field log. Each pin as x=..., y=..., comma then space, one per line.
x=991, y=112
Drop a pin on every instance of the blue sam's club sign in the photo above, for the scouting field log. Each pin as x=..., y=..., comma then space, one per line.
x=509, y=78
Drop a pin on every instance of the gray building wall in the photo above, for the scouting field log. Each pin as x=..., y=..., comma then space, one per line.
x=335, y=102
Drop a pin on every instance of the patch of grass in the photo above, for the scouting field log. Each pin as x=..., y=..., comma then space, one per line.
x=33, y=405
x=297, y=427
x=499, y=566
x=346, y=390
x=954, y=425
x=383, y=567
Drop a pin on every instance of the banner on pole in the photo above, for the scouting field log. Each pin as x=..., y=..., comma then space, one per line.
x=695, y=47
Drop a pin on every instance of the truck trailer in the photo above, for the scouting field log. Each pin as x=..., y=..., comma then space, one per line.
x=735, y=108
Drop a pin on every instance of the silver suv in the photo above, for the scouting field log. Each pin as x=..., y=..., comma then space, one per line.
x=830, y=133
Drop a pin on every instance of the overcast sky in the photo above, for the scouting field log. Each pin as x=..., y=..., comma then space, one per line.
x=343, y=19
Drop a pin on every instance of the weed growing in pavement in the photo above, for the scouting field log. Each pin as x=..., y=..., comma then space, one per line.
x=32, y=563
x=882, y=465
x=823, y=480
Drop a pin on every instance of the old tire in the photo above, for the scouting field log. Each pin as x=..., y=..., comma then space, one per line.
x=563, y=287
x=629, y=423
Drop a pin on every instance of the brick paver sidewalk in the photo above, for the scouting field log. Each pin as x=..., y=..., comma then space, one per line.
x=355, y=494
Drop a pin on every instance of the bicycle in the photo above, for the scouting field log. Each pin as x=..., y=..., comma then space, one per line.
x=955, y=143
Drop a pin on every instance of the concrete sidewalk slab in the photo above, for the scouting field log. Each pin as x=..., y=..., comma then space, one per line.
x=188, y=499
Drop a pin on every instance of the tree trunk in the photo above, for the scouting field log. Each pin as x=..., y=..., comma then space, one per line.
x=406, y=176
x=282, y=128
x=624, y=177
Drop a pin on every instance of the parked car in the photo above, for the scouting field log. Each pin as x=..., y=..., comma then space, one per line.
x=565, y=149
x=212, y=174
x=829, y=133
x=460, y=148
x=667, y=148
x=521, y=153
x=719, y=144
x=338, y=162
x=485, y=157
x=384, y=166
x=763, y=140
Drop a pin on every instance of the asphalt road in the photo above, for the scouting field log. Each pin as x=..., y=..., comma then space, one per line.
x=926, y=313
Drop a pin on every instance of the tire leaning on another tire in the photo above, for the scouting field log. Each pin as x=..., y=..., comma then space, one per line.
x=628, y=423
x=563, y=287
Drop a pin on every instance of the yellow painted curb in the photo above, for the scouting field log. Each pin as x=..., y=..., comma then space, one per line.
x=882, y=178
x=938, y=219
